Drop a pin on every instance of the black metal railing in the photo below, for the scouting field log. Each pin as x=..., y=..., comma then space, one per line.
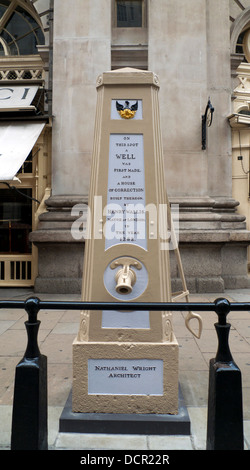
x=225, y=414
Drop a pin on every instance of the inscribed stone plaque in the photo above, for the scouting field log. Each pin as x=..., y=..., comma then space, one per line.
x=125, y=212
x=125, y=376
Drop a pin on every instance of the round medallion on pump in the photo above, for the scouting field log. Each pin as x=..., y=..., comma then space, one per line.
x=125, y=278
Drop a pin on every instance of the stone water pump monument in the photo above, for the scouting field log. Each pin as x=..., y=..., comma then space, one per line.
x=126, y=362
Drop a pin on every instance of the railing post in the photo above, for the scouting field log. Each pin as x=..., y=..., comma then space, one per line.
x=29, y=417
x=225, y=415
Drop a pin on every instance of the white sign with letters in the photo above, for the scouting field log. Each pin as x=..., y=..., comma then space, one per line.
x=125, y=376
x=17, y=96
x=126, y=217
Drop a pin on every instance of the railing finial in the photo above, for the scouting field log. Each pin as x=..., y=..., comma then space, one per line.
x=32, y=307
x=222, y=307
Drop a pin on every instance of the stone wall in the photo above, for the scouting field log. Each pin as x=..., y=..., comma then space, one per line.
x=189, y=50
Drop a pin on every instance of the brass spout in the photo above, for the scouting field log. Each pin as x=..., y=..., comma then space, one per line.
x=125, y=278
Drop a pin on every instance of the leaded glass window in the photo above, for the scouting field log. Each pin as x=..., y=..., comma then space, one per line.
x=20, y=31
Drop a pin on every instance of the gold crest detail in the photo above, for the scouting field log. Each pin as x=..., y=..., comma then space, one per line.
x=127, y=112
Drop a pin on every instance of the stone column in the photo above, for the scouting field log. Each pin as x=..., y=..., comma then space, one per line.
x=177, y=54
x=219, y=89
x=81, y=51
x=189, y=49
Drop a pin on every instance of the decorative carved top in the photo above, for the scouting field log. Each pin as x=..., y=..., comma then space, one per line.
x=128, y=76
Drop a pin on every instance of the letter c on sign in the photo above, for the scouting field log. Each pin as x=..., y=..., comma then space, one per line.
x=6, y=97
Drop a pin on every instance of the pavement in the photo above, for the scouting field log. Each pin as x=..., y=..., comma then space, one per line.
x=57, y=331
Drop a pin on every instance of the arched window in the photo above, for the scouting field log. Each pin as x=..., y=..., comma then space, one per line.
x=243, y=45
x=20, y=29
x=244, y=111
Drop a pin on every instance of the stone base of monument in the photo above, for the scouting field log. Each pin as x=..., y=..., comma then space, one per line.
x=124, y=377
x=121, y=423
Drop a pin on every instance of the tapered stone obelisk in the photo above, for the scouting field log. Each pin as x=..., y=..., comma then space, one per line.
x=126, y=361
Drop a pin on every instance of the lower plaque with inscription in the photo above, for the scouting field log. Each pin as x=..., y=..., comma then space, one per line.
x=125, y=377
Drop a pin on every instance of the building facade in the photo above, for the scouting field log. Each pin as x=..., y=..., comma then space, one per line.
x=200, y=51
